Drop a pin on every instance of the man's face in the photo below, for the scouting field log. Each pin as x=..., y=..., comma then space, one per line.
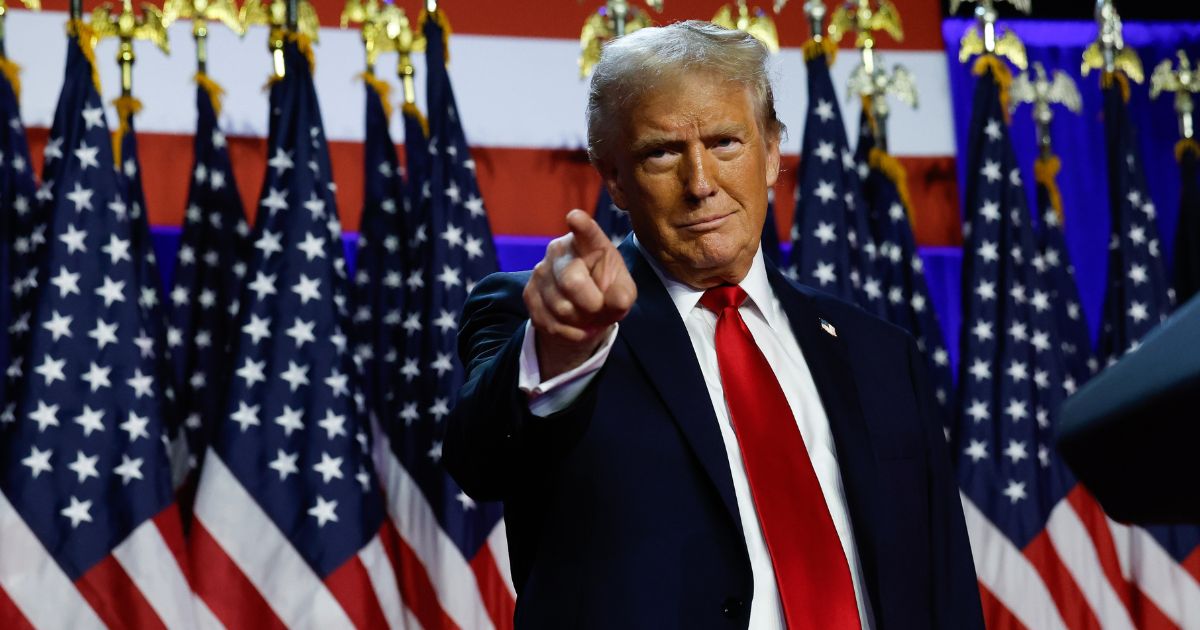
x=692, y=167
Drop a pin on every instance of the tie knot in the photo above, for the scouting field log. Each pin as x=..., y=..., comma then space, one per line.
x=722, y=297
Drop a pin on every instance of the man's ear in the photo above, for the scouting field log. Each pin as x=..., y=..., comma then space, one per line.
x=608, y=173
x=772, y=161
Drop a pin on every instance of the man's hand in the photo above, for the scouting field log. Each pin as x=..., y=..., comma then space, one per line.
x=576, y=294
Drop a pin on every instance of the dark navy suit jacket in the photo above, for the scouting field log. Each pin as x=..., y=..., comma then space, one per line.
x=620, y=509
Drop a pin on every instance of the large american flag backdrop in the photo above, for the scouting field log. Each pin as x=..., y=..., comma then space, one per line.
x=311, y=393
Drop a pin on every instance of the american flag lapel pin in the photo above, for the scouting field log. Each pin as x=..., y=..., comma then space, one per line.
x=827, y=327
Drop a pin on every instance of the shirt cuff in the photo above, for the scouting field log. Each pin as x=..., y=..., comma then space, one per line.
x=556, y=394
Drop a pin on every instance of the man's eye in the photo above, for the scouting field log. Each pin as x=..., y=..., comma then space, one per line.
x=726, y=142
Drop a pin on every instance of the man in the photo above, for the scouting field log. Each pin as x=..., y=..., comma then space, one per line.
x=681, y=437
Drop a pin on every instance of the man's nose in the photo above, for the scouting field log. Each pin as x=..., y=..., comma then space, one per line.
x=699, y=171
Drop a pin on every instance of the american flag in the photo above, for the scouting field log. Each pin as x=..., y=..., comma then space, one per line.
x=1053, y=262
x=288, y=520
x=901, y=269
x=89, y=531
x=380, y=261
x=209, y=268
x=149, y=297
x=453, y=548
x=613, y=220
x=17, y=205
x=1043, y=551
x=832, y=248
x=1164, y=561
x=1187, y=231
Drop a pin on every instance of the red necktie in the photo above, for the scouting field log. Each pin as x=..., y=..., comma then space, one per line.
x=810, y=565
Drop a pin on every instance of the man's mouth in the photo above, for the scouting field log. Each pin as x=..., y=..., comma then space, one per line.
x=706, y=223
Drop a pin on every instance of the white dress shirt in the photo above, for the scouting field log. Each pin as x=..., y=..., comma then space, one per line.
x=769, y=325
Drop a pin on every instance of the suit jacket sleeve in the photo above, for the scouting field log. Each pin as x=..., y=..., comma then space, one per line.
x=955, y=588
x=493, y=443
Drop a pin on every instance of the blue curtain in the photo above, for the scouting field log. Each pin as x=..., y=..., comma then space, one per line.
x=1079, y=139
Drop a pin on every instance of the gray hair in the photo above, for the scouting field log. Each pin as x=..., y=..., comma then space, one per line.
x=634, y=64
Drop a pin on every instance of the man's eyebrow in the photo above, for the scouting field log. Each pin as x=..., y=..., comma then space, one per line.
x=651, y=140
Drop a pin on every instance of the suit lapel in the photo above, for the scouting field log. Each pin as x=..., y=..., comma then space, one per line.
x=829, y=363
x=658, y=339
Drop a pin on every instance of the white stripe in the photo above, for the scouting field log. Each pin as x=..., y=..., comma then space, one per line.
x=498, y=542
x=205, y=619
x=452, y=578
x=539, y=106
x=1160, y=578
x=1077, y=550
x=34, y=581
x=1008, y=574
x=260, y=550
x=152, y=567
x=383, y=581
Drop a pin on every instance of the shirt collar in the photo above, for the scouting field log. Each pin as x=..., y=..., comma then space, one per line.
x=755, y=284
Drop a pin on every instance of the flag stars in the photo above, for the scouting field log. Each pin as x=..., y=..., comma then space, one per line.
x=246, y=416
x=991, y=170
x=1015, y=491
x=66, y=281
x=315, y=206
x=284, y=464
x=825, y=192
x=291, y=420
x=824, y=273
x=258, y=328
x=324, y=511
x=90, y=420
x=307, y=289
x=263, y=285
x=1138, y=311
x=269, y=243
x=824, y=110
x=81, y=197
x=474, y=205
x=1016, y=451
x=467, y=502
x=111, y=290
x=1017, y=410
x=38, y=461
x=92, y=117
x=51, y=369
x=295, y=376
x=45, y=416
x=993, y=130
x=825, y=233
x=977, y=451
x=1137, y=273
x=275, y=200
x=825, y=152
x=78, y=511
x=979, y=411
x=302, y=332
x=117, y=249
x=129, y=469
x=84, y=466
x=59, y=325
x=140, y=383
x=435, y=452
x=449, y=277
x=281, y=162
x=334, y=424
x=980, y=370
x=445, y=321
x=1017, y=371
x=252, y=371
x=329, y=468
x=337, y=383
x=312, y=246
x=135, y=426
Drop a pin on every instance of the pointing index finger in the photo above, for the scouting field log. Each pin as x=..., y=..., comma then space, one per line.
x=589, y=237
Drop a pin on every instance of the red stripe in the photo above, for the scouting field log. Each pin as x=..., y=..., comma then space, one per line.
x=224, y=588
x=496, y=597
x=11, y=617
x=415, y=587
x=995, y=615
x=921, y=19
x=1191, y=564
x=1096, y=524
x=1147, y=615
x=1062, y=587
x=1144, y=612
x=564, y=179
x=170, y=527
x=351, y=587
x=115, y=598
